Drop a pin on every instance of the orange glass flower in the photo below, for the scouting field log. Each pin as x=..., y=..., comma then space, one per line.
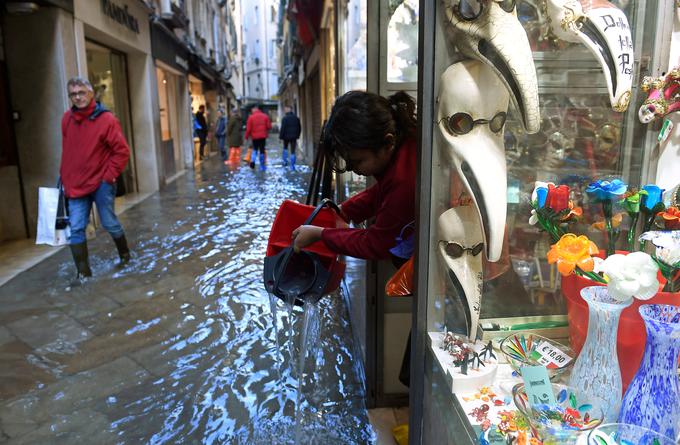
x=671, y=218
x=616, y=221
x=574, y=212
x=571, y=251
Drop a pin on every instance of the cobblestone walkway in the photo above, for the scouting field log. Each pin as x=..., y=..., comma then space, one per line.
x=179, y=347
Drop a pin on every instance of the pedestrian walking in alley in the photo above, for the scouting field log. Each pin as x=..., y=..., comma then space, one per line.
x=201, y=131
x=221, y=134
x=257, y=128
x=234, y=137
x=94, y=153
x=289, y=134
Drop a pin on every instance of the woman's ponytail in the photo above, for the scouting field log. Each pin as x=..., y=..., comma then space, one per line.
x=404, y=113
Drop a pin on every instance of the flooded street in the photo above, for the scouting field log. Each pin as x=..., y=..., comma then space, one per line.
x=181, y=345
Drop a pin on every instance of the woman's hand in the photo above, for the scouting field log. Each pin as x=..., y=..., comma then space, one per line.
x=305, y=236
x=341, y=219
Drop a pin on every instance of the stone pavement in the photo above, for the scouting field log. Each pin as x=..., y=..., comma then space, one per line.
x=180, y=346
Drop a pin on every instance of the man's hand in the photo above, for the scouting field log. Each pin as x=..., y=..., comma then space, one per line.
x=305, y=236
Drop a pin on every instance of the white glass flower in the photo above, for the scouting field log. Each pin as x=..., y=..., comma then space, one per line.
x=667, y=243
x=632, y=275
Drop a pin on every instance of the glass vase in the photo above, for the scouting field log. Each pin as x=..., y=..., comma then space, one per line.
x=596, y=371
x=653, y=397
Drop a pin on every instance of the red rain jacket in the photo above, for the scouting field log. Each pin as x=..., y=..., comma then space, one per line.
x=258, y=125
x=93, y=150
x=392, y=200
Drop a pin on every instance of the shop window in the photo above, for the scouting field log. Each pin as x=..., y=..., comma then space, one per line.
x=402, y=41
x=354, y=44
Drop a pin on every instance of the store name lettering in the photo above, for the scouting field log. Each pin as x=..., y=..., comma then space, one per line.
x=121, y=15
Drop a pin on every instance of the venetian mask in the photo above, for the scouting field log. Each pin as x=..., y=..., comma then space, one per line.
x=663, y=96
x=460, y=247
x=472, y=106
x=489, y=31
x=604, y=30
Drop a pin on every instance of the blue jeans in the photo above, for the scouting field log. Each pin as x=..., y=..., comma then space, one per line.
x=220, y=143
x=79, y=213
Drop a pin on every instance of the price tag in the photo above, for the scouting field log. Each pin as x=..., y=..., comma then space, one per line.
x=550, y=356
x=666, y=129
x=537, y=385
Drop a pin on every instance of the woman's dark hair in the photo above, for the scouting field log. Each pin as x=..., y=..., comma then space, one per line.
x=362, y=120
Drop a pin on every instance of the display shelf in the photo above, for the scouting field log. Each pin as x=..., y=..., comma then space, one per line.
x=501, y=419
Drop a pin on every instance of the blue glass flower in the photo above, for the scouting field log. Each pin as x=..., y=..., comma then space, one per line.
x=541, y=195
x=602, y=190
x=653, y=196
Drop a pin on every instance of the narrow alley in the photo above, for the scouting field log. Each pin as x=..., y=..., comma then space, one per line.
x=179, y=346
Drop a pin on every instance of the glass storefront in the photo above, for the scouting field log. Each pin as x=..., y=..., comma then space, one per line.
x=168, y=86
x=581, y=139
x=197, y=99
x=107, y=71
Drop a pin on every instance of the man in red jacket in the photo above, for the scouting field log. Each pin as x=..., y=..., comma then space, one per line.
x=94, y=153
x=257, y=128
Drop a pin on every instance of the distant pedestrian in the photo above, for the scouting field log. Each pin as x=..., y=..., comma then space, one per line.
x=201, y=131
x=221, y=134
x=94, y=153
x=289, y=134
x=234, y=137
x=257, y=128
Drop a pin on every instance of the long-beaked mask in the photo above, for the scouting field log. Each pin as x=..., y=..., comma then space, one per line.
x=489, y=31
x=604, y=30
x=460, y=247
x=472, y=106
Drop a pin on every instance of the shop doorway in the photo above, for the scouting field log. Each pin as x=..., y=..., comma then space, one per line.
x=107, y=71
x=168, y=87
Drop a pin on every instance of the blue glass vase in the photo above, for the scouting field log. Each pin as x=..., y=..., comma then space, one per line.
x=653, y=397
x=596, y=371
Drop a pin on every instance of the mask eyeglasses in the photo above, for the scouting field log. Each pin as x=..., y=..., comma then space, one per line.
x=455, y=250
x=462, y=123
x=469, y=10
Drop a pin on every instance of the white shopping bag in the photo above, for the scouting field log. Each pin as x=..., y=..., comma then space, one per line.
x=47, y=233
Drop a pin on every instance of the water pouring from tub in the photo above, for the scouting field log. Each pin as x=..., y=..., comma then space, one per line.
x=301, y=278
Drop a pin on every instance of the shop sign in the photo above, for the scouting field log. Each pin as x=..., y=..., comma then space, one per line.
x=182, y=62
x=121, y=15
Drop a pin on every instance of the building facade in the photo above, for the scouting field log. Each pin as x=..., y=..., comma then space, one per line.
x=152, y=63
x=260, y=20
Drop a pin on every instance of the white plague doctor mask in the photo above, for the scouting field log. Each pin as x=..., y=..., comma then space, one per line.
x=489, y=31
x=604, y=30
x=460, y=247
x=472, y=106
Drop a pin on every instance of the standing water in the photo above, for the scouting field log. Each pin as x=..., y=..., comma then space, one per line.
x=178, y=347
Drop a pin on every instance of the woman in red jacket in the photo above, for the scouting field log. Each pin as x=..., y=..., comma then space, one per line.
x=372, y=136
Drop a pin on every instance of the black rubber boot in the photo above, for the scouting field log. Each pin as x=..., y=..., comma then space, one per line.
x=80, y=257
x=123, y=251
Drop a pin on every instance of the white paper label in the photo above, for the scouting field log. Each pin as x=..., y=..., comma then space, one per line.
x=550, y=356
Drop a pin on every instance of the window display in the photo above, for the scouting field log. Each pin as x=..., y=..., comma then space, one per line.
x=573, y=122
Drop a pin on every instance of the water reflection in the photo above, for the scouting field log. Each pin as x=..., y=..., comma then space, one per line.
x=184, y=345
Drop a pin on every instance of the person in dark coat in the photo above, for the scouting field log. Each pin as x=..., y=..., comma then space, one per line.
x=234, y=137
x=289, y=134
x=201, y=130
x=221, y=134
